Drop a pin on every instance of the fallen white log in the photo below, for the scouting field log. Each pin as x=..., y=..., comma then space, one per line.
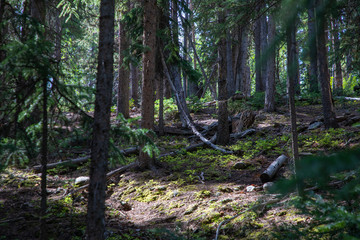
x=274, y=167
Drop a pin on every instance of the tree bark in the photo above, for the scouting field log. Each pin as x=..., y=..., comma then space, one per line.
x=148, y=75
x=101, y=128
x=38, y=12
x=270, y=83
x=229, y=67
x=134, y=79
x=245, y=85
x=324, y=77
x=292, y=78
x=313, y=68
x=338, y=80
x=223, y=133
x=257, y=39
x=123, y=86
x=263, y=52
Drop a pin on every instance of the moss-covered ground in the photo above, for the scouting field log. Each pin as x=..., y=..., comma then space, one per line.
x=190, y=194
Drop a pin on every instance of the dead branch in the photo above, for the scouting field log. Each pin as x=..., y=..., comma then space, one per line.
x=81, y=160
x=187, y=118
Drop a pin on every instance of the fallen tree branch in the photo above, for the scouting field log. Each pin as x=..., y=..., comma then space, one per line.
x=187, y=118
x=81, y=160
x=108, y=176
x=188, y=149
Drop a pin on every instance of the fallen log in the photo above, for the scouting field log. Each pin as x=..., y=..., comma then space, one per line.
x=242, y=134
x=189, y=148
x=274, y=167
x=81, y=160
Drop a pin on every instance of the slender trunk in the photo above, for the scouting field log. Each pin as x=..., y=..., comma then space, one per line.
x=245, y=85
x=38, y=11
x=338, y=80
x=223, y=134
x=313, y=68
x=328, y=106
x=148, y=74
x=263, y=52
x=134, y=79
x=123, y=86
x=270, y=83
x=292, y=78
x=101, y=127
x=229, y=67
x=257, y=38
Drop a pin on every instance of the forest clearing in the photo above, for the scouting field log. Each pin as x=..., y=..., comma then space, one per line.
x=174, y=120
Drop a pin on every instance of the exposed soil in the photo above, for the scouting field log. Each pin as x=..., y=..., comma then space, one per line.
x=189, y=195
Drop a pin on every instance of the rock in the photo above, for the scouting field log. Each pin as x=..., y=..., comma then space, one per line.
x=82, y=180
x=241, y=165
x=161, y=188
x=175, y=193
x=267, y=186
x=315, y=125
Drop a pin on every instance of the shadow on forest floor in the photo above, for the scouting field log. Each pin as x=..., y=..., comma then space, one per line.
x=190, y=195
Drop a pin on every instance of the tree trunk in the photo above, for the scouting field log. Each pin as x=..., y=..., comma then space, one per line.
x=174, y=68
x=263, y=52
x=229, y=67
x=338, y=80
x=245, y=85
x=313, y=68
x=38, y=12
x=148, y=74
x=257, y=39
x=292, y=78
x=223, y=133
x=101, y=127
x=123, y=86
x=328, y=107
x=134, y=79
x=270, y=83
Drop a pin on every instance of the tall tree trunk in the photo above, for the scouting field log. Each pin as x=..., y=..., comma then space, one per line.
x=134, y=79
x=38, y=12
x=257, y=39
x=313, y=68
x=101, y=128
x=270, y=83
x=193, y=86
x=123, y=86
x=148, y=74
x=292, y=79
x=245, y=85
x=263, y=52
x=2, y=37
x=327, y=103
x=229, y=66
x=223, y=134
x=338, y=80
x=174, y=68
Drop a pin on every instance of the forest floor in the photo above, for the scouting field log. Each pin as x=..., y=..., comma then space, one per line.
x=191, y=193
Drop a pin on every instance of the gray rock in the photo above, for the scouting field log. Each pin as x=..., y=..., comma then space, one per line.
x=267, y=186
x=241, y=165
x=82, y=180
